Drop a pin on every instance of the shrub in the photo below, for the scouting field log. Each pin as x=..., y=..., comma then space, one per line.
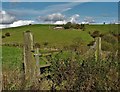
x=105, y=46
x=76, y=26
x=37, y=45
x=82, y=26
x=95, y=34
x=3, y=36
x=68, y=25
x=73, y=73
x=110, y=39
x=45, y=43
x=7, y=34
x=91, y=43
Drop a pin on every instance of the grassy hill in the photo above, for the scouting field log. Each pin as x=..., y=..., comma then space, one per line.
x=55, y=37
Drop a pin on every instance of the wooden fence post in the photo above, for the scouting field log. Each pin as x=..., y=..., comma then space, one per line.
x=29, y=62
x=37, y=62
x=98, y=49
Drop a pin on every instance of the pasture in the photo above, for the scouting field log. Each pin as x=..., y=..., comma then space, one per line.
x=56, y=37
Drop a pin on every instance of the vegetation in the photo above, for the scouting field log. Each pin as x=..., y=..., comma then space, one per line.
x=44, y=33
x=68, y=71
x=7, y=34
x=73, y=73
x=74, y=66
x=70, y=25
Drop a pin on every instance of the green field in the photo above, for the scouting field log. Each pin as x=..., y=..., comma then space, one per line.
x=44, y=33
x=61, y=37
x=12, y=57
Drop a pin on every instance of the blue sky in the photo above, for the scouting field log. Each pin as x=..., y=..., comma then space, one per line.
x=80, y=11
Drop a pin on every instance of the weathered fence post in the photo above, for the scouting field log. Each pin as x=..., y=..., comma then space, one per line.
x=29, y=62
x=98, y=49
x=37, y=62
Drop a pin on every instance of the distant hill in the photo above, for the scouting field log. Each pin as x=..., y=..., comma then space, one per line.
x=54, y=37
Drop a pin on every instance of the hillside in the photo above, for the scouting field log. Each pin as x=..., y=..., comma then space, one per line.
x=55, y=37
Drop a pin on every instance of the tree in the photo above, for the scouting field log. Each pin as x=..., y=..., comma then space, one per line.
x=82, y=26
x=68, y=25
x=76, y=26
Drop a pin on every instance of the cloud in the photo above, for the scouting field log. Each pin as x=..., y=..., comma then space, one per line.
x=89, y=20
x=52, y=17
x=21, y=23
x=6, y=18
x=67, y=9
x=23, y=12
x=59, y=7
x=74, y=18
x=58, y=18
x=60, y=22
x=17, y=23
x=47, y=10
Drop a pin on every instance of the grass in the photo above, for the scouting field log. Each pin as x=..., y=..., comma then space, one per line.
x=46, y=33
x=103, y=28
x=12, y=57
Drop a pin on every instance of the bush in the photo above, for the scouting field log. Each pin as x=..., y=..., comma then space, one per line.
x=76, y=26
x=7, y=34
x=91, y=43
x=105, y=46
x=95, y=34
x=3, y=36
x=110, y=39
x=73, y=73
x=45, y=43
x=82, y=26
x=37, y=45
x=68, y=25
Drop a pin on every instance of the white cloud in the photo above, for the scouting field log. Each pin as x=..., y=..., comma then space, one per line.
x=17, y=23
x=52, y=17
x=23, y=12
x=21, y=23
x=59, y=8
x=48, y=10
x=67, y=9
x=89, y=20
x=60, y=22
x=4, y=26
x=74, y=18
x=6, y=18
x=58, y=18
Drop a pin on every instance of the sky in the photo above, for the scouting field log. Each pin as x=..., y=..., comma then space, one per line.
x=16, y=13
